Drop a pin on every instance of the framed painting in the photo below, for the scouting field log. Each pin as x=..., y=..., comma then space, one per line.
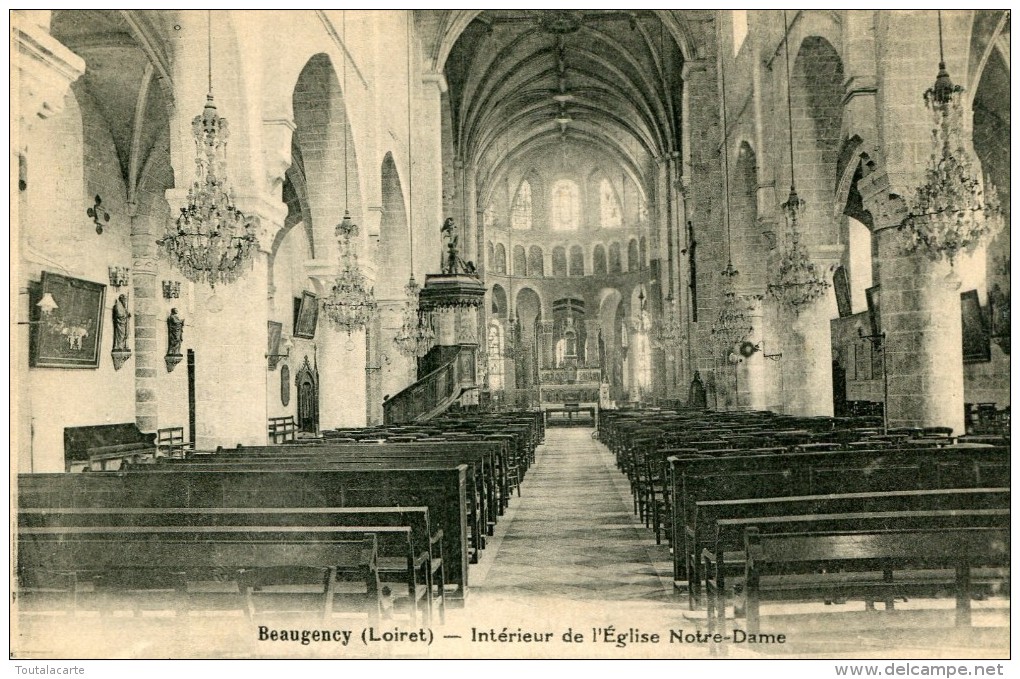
x=306, y=315
x=841, y=283
x=70, y=336
x=977, y=347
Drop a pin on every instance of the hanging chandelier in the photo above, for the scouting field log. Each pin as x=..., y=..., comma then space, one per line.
x=799, y=280
x=734, y=323
x=351, y=302
x=417, y=335
x=951, y=212
x=670, y=333
x=211, y=241
x=512, y=336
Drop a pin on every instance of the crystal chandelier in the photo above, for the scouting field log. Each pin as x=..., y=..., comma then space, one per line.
x=734, y=323
x=642, y=324
x=951, y=212
x=512, y=336
x=799, y=281
x=351, y=302
x=417, y=335
x=670, y=334
x=211, y=240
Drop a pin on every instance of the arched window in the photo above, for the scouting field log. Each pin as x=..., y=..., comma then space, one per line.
x=520, y=215
x=536, y=262
x=609, y=206
x=576, y=260
x=495, y=357
x=559, y=261
x=520, y=261
x=500, y=258
x=860, y=264
x=599, y=261
x=566, y=206
x=615, y=263
x=632, y=256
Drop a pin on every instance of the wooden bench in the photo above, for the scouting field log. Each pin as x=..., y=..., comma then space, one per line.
x=282, y=429
x=412, y=551
x=377, y=459
x=720, y=560
x=887, y=551
x=123, y=562
x=443, y=491
x=695, y=479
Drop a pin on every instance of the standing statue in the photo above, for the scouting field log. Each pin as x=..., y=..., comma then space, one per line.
x=452, y=262
x=174, y=333
x=120, y=324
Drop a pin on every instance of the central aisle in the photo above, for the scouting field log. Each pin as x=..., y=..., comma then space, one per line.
x=570, y=553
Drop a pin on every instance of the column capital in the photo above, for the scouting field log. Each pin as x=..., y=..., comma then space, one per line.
x=45, y=71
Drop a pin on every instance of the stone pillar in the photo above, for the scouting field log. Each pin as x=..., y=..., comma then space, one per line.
x=428, y=175
x=548, y=342
x=146, y=300
x=373, y=372
x=751, y=375
x=807, y=345
x=42, y=71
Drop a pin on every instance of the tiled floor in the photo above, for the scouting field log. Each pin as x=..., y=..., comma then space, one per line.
x=570, y=555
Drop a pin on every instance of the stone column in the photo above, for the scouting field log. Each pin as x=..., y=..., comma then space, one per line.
x=147, y=308
x=807, y=345
x=428, y=174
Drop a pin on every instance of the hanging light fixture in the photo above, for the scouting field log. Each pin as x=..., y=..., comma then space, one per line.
x=951, y=212
x=513, y=332
x=733, y=324
x=417, y=335
x=799, y=281
x=351, y=302
x=211, y=240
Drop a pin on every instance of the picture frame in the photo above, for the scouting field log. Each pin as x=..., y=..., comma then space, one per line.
x=977, y=346
x=306, y=315
x=71, y=336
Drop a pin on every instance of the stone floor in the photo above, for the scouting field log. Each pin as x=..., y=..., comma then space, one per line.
x=569, y=555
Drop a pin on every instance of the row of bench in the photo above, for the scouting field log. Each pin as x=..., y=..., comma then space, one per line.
x=408, y=515
x=815, y=508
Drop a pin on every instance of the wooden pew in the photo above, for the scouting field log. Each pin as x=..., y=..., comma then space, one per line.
x=416, y=555
x=441, y=490
x=957, y=549
x=729, y=532
x=694, y=479
x=96, y=446
x=131, y=559
x=474, y=508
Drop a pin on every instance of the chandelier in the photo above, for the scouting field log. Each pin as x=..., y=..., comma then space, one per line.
x=211, y=240
x=671, y=333
x=734, y=322
x=512, y=336
x=799, y=281
x=417, y=335
x=642, y=323
x=951, y=212
x=351, y=302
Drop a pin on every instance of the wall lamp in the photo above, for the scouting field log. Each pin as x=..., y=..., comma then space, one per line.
x=286, y=344
x=47, y=305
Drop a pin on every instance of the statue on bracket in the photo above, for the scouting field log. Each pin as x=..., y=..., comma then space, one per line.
x=121, y=316
x=174, y=338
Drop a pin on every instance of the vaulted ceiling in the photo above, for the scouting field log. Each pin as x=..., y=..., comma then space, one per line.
x=127, y=77
x=523, y=79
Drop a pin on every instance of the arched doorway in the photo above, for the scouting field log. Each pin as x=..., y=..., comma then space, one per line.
x=307, y=383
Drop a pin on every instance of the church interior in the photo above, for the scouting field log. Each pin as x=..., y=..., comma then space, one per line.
x=684, y=324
